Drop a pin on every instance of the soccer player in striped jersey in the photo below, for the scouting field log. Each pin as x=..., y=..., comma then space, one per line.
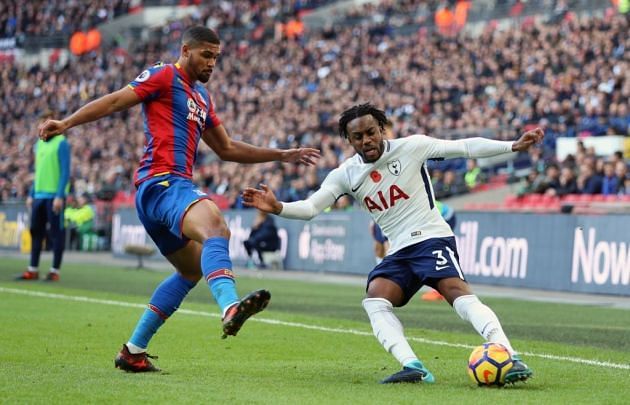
x=185, y=224
x=389, y=178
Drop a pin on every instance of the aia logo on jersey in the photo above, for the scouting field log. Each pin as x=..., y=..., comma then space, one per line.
x=394, y=167
x=382, y=201
x=375, y=176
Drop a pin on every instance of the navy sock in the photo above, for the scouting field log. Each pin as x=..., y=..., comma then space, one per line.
x=58, y=246
x=165, y=300
x=217, y=271
x=36, y=249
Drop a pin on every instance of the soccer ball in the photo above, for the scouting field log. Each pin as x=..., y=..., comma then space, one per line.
x=488, y=364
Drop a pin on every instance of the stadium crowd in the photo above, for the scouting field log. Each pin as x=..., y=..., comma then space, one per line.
x=44, y=17
x=571, y=77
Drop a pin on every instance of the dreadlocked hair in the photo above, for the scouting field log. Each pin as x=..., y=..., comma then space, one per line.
x=359, y=111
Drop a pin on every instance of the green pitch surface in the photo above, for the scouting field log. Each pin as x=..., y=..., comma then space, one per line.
x=313, y=345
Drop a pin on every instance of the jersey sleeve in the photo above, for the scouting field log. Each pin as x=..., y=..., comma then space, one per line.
x=336, y=183
x=151, y=82
x=212, y=120
x=425, y=147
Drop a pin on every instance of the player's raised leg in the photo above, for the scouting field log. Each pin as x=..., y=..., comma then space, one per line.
x=382, y=295
x=484, y=320
x=205, y=224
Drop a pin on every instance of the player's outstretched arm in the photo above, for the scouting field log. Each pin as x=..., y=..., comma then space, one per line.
x=235, y=151
x=480, y=147
x=265, y=200
x=92, y=111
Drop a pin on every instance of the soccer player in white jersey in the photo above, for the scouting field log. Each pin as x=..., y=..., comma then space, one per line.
x=389, y=178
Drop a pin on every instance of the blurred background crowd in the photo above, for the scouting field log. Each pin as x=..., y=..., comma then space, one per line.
x=282, y=85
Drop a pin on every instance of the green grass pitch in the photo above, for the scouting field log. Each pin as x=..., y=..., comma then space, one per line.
x=313, y=345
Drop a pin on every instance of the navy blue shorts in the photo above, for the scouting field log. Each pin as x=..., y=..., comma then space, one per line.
x=161, y=203
x=42, y=214
x=424, y=263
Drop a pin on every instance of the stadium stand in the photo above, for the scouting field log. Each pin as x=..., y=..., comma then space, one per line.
x=280, y=91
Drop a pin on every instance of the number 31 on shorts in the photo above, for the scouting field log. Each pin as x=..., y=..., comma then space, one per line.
x=442, y=262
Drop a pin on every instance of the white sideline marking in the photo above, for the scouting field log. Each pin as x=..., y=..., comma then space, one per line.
x=32, y=293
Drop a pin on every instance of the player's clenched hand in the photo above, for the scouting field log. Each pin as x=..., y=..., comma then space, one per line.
x=263, y=199
x=305, y=156
x=528, y=139
x=57, y=205
x=51, y=128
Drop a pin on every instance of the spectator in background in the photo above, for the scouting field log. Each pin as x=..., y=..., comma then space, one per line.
x=47, y=200
x=566, y=183
x=80, y=220
x=537, y=159
x=262, y=238
x=451, y=185
x=532, y=183
x=619, y=119
x=552, y=179
x=588, y=181
x=473, y=176
x=610, y=182
x=344, y=203
x=621, y=171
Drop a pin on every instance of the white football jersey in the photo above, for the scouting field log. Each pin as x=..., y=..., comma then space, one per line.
x=396, y=189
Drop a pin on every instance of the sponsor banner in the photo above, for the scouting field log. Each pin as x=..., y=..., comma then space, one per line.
x=552, y=252
x=559, y=252
x=14, y=224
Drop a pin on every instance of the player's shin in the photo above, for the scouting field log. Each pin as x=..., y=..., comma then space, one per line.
x=389, y=331
x=483, y=319
x=216, y=267
x=165, y=300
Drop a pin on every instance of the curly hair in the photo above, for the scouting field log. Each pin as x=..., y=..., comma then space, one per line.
x=359, y=111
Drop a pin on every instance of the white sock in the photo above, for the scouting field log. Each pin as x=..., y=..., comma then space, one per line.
x=33, y=269
x=133, y=349
x=483, y=319
x=388, y=329
x=54, y=270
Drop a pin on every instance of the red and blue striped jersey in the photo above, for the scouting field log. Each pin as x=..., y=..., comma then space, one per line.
x=175, y=111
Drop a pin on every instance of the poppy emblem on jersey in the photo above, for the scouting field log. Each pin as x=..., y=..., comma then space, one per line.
x=394, y=167
x=375, y=176
x=143, y=77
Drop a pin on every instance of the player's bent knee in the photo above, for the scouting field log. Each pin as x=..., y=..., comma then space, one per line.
x=382, y=288
x=192, y=276
x=453, y=288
